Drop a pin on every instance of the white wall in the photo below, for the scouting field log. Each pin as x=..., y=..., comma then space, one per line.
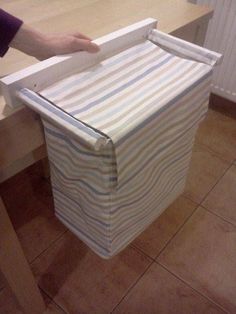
x=221, y=37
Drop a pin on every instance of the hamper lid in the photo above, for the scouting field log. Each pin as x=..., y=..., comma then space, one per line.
x=118, y=100
x=119, y=94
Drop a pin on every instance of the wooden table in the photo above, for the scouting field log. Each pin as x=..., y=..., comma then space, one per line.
x=21, y=135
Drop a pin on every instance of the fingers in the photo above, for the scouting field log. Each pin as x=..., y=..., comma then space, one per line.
x=85, y=42
x=86, y=45
x=80, y=35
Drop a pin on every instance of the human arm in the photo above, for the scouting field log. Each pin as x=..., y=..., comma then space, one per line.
x=9, y=25
x=40, y=45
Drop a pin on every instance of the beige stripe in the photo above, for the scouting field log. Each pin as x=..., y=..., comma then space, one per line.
x=149, y=140
x=79, y=91
x=111, y=122
x=150, y=127
x=126, y=93
x=145, y=110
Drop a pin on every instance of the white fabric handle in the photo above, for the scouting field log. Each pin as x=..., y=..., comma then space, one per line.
x=184, y=49
x=77, y=129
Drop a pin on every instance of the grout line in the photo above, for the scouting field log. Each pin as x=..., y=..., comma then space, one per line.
x=218, y=180
x=197, y=206
x=131, y=287
x=190, y=199
x=52, y=301
x=154, y=258
x=230, y=165
x=142, y=252
x=178, y=230
x=187, y=284
x=51, y=244
x=213, y=152
x=222, y=218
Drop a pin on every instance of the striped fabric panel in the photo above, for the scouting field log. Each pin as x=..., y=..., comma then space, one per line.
x=106, y=249
x=107, y=221
x=148, y=103
x=119, y=95
x=132, y=211
x=161, y=130
x=78, y=160
x=134, y=215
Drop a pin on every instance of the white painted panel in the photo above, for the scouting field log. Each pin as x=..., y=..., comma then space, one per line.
x=221, y=37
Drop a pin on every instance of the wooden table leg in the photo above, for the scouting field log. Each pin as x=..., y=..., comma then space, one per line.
x=15, y=268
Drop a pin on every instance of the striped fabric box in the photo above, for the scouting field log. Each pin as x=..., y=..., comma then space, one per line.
x=120, y=150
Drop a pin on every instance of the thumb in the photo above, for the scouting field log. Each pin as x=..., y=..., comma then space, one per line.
x=86, y=45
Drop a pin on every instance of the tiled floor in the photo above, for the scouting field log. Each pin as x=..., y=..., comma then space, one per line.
x=185, y=262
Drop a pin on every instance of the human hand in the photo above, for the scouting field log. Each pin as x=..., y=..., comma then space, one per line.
x=43, y=46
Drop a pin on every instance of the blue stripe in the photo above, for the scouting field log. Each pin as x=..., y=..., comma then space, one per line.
x=130, y=101
x=108, y=83
x=148, y=208
x=96, y=173
x=165, y=107
x=80, y=181
x=162, y=170
x=136, y=145
x=86, y=235
x=58, y=112
x=158, y=152
x=98, y=69
x=67, y=140
x=63, y=195
x=122, y=87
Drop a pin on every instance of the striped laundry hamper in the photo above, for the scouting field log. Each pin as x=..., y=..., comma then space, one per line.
x=120, y=134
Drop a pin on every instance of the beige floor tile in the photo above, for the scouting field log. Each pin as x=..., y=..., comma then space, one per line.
x=155, y=237
x=222, y=199
x=205, y=170
x=9, y=304
x=203, y=254
x=160, y=292
x=218, y=132
x=81, y=282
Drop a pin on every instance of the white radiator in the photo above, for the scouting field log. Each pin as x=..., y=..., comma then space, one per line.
x=221, y=37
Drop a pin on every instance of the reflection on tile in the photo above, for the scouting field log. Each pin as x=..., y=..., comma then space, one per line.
x=160, y=292
x=218, y=132
x=80, y=281
x=155, y=237
x=32, y=196
x=222, y=199
x=2, y=281
x=31, y=211
x=38, y=234
x=203, y=254
x=9, y=304
x=205, y=170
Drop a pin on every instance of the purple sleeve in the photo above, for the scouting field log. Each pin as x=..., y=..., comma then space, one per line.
x=9, y=26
